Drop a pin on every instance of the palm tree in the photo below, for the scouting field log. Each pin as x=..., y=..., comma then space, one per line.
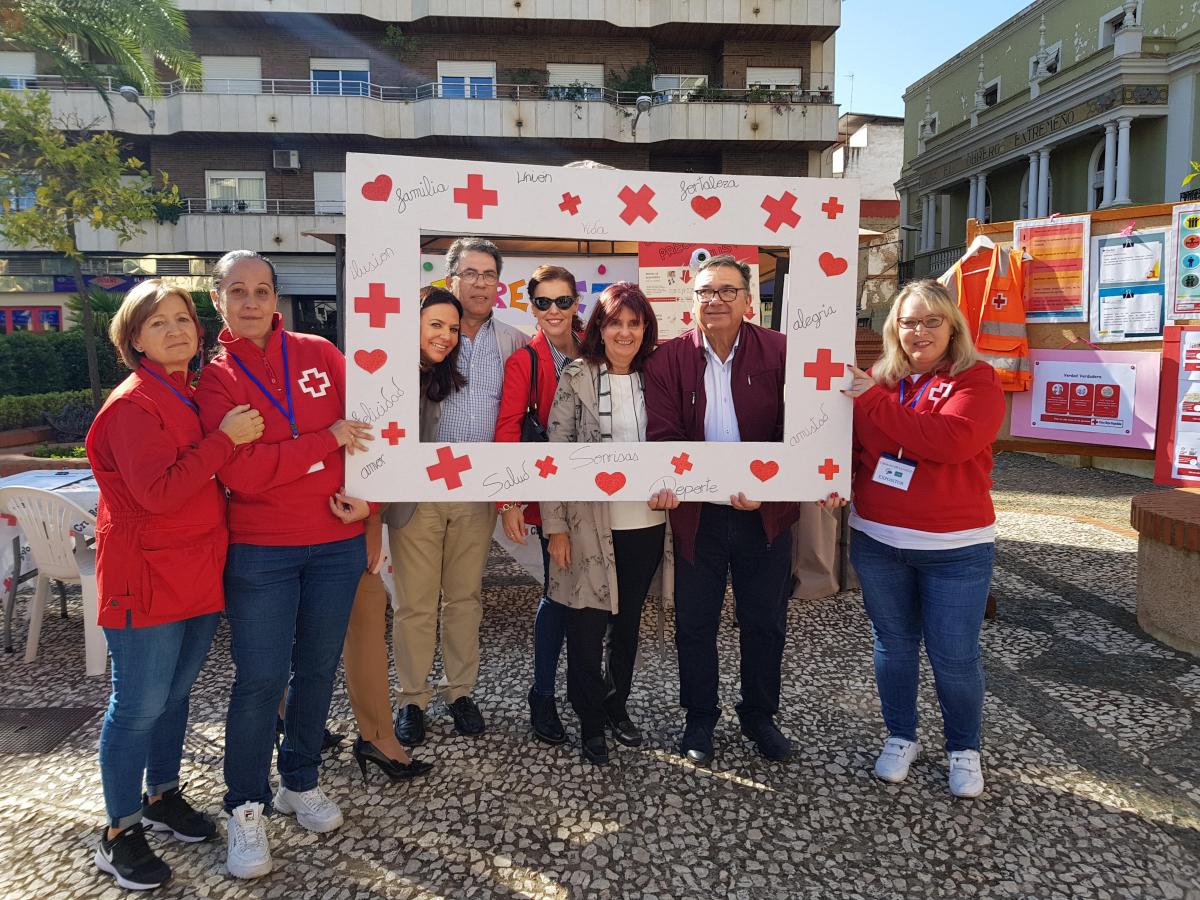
x=133, y=34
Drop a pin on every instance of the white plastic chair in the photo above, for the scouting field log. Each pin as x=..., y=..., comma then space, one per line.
x=60, y=553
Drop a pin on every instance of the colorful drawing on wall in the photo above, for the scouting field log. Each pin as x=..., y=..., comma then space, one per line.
x=1183, y=298
x=1056, y=274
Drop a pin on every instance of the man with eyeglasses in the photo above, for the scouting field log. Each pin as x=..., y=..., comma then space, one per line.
x=723, y=381
x=442, y=551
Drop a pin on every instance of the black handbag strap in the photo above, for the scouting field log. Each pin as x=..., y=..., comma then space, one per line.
x=533, y=378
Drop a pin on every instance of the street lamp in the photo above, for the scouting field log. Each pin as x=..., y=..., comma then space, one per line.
x=643, y=106
x=134, y=96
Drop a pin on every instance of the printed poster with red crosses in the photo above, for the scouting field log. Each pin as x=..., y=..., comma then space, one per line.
x=392, y=201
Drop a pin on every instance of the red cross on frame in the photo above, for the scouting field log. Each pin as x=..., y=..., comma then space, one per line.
x=781, y=211
x=1000, y=301
x=377, y=304
x=393, y=433
x=829, y=468
x=682, y=463
x=823, y=369
x=546, y=467
x=570, y=203
x=449, y=467
x=475, y=196
x=637, y=204
x=832, y=208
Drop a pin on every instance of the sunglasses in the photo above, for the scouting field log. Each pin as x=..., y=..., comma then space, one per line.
x=543, y=303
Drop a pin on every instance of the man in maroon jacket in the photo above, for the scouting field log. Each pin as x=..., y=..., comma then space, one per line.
x=723, y=381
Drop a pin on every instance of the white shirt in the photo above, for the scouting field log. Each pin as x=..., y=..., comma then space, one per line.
x=629, y=426
x=720, y=419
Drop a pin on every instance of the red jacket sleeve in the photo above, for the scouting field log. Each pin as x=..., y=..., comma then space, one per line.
x=664, y=417
x=514, y=398
x=259, y=466
x=958, y=430
x=160, y=479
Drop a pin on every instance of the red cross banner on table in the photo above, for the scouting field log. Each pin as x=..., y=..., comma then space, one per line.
x=393, y=200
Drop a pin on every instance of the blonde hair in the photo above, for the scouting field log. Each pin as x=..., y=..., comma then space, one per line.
x=138, y=306
x=960, y=353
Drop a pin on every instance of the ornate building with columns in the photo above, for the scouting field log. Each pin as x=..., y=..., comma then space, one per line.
x=1069, y=106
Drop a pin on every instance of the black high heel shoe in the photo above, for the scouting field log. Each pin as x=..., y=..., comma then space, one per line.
x=366, y=752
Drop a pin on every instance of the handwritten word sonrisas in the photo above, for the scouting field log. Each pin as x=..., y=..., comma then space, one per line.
x=370, y=412
x=811, y=319
x=705, y=183
x=816, y=422
x=425, y=188
x=590, y=455
x=370, y=264
x=506, y=480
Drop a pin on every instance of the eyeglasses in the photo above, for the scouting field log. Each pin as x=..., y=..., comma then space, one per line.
x=478, y=277
x=727, y=294
x=930, y=323
x=564, y=302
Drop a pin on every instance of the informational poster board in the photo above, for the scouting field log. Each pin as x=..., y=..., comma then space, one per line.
x=667, y=274
x=1184, y=263
x=1056, y=275
x=393, y=200
x=1094, y=397
x=1128, y=286
x=1177, y=457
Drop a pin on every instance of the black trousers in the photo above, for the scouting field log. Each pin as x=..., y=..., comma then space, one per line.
x=595, y=689
x=732, y=542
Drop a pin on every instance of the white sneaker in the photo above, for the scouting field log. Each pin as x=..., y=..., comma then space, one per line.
x=249, y=854
x=312, y=809
x=895, y=758
x=966, y=775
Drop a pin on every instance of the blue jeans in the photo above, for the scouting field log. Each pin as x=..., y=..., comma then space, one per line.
x=153, y=670
x=288, y=608
x=938, y=595
x=549, y=630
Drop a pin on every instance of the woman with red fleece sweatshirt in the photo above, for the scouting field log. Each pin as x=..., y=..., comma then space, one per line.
x=925, y=418
x=295, y=556
x=160, y=548
x=555, y=300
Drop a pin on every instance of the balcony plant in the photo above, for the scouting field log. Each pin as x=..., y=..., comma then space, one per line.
x=395, y=39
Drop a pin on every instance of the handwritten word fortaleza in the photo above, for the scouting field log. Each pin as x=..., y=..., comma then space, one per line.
x=812, y=319
x=359, y=269
x=707, y=183
x=502, y=481
x=389, y=395
x=815, y=423
x=587, y=455
x=684, y=489
x=425, y=188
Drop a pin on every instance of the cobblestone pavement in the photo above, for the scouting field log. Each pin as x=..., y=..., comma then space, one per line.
x=1092, y=733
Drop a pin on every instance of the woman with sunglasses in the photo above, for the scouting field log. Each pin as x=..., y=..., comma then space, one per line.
x=555, y=305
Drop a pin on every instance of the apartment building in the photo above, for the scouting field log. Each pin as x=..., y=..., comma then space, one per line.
x=290, y=86
x=1069, y=106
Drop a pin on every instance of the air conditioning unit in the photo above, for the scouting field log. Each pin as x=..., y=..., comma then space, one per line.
x=286, y=160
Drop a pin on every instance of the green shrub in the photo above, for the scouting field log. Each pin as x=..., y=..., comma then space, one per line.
x=26, y=411
x=33, y=363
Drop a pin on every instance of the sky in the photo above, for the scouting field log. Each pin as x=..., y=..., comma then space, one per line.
x=888, y=44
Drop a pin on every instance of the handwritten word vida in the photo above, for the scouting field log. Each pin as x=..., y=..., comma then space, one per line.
x=389, y=395
x=420, y=191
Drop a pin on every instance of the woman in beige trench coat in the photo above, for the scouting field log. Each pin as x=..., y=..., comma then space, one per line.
x=607, y=556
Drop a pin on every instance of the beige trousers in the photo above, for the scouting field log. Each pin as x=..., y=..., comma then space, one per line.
x=366, y=660
x=439, y=555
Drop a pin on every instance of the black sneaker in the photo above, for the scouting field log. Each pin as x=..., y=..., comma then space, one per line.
x=410, y=725
x=174, y=814
x=468, y=720
x=129, y=859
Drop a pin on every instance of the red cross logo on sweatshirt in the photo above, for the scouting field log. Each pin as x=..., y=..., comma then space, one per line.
x=940, y=391
x=314, y=382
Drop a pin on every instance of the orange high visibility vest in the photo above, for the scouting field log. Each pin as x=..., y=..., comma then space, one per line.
x=988, y=288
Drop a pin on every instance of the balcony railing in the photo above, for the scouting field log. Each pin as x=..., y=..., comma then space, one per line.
x=435, y=91
x=1190, y=196
x=931, y=264
x=211, y=206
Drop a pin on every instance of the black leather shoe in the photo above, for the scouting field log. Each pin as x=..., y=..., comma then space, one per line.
x=625, y=731
x=543, y=716
x=468, y=720
x=410, y=726
x=366, y=752
x=697, y=743
x=331, y=740
x=595, y=751
x=769, y=740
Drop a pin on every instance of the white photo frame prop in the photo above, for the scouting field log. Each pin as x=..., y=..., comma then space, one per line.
x=393, y=199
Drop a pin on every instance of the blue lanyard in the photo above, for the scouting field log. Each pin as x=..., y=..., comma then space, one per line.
x=916, y=399
x=289, y=413
x=170, y=387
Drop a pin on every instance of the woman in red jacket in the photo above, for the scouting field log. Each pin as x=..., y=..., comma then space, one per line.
x=160, y=548
x=555, y=301
x=924, y=421
x=296, y=552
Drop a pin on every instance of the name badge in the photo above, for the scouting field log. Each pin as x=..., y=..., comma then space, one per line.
x=318, y=466
x=894, y=472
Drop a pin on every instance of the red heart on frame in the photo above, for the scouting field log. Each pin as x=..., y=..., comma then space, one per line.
x=706, y=207
x=610, y=482
x=370, y=360
x=764, y=471
x=832, y=265
x=377, y=189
